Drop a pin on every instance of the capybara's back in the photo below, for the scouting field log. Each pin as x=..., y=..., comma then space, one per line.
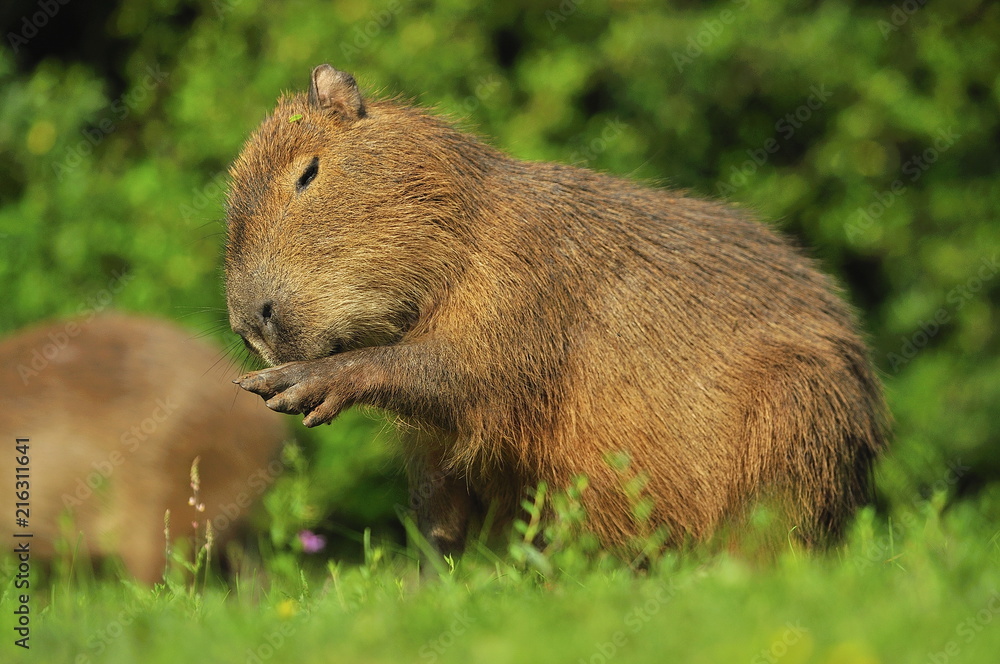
x=114, y=410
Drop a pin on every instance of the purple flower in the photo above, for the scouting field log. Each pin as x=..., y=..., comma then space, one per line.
x=311, y=542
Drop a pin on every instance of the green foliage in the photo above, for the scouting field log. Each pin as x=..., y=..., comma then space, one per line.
x=896, y=591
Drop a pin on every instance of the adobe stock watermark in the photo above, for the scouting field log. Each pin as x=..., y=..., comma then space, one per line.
x=485, y=87
x=421, y=493
x=785, y=126
x=592, y=149
x=272, y=642
x=562, y=13
x=913, y=168
x=114, y=114
x=878, y=550
x=365, y=31
x=967, y=630
x=433, y=649
x=956, y=299
x=634, y=621
x=899, y=16
x=98, y=641
x=130, y=441
x=32, y=23
x=256, y=484
x=223, y=7
x=711, y=30
x=58, y=341
x=792, y=634
x=208, y=196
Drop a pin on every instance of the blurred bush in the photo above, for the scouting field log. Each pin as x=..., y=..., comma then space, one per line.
x=868, y=131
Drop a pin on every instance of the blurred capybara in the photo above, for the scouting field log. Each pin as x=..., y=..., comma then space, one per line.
x=533, y=320
x=115, y=409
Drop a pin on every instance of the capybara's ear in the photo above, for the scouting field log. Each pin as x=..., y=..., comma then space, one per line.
x=336, y=91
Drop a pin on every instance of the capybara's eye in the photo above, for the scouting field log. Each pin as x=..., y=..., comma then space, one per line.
x=308, y=175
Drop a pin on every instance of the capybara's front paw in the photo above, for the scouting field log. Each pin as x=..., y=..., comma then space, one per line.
x=296, y=387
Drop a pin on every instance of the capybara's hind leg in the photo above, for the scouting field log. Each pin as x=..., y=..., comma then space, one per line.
x=812, y=435
x=440, y=499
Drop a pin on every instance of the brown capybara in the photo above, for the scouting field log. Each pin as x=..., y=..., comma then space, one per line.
x=533, y=320
x=115, y=409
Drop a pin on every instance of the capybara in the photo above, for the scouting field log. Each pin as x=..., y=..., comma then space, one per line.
x=114, y=409
x=534, y=321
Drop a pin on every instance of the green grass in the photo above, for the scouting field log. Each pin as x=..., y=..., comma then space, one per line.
x=921, y=586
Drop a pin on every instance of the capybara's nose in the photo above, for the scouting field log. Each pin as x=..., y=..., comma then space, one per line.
x=260, y=324
x=265, y=312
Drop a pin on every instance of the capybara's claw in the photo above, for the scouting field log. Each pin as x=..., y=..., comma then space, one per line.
x=266, y=383
x=251, y=382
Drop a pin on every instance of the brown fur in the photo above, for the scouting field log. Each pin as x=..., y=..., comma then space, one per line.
x=528, y=319
x=134, y=401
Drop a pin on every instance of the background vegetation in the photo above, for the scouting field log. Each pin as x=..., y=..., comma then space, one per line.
x=868, y=131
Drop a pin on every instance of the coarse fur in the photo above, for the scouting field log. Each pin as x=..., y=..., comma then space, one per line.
x=115, y=409
x=532, y=320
